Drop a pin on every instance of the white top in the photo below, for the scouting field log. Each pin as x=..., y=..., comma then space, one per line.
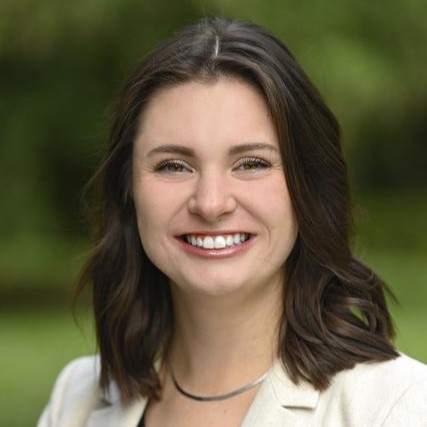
x=386, y=394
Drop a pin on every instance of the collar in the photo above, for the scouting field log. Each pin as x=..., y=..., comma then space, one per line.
x=287, y=393
x=280, y=402
x=274, y=404
x=111, y=395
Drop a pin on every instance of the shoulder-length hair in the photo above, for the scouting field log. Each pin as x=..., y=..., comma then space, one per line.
x=334, y=309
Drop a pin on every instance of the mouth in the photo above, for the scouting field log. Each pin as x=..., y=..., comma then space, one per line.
x=219, y=241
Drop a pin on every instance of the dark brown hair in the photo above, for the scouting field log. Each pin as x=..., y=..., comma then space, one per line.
x=335, y=312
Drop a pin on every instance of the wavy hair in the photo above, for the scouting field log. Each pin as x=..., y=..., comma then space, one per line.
x=334, y=309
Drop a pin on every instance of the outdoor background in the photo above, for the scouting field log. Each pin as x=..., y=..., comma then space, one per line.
x=61, y=64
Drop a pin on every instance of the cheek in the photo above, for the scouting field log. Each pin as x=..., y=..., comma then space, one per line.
x=276, y=200
x=281, y=215
x=148, y=211
x=149, y=230
x=156, y=207
x=151, y=202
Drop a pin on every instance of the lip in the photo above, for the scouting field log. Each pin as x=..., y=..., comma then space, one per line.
x=214, y=233
x=215, y=253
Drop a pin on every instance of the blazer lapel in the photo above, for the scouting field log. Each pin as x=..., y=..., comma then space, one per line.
x=114, y=413
x=280, y=402
x=117, y=416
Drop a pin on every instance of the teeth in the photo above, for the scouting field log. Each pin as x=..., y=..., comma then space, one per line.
x=216, y=242
x=220, y=242
x=208, y=243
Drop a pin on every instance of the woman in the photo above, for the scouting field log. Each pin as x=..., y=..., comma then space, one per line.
x=224, y=289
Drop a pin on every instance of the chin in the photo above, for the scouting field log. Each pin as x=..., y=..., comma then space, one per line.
x=218, y=290
x=216, y=287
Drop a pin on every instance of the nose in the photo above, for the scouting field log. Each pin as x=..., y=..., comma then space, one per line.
x=212, y=197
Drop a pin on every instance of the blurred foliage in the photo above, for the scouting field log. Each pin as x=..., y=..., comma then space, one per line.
x=368, y=59
x=61, y=64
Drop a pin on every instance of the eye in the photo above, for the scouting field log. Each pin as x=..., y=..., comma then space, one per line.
x=173, y=167
x=252, y=164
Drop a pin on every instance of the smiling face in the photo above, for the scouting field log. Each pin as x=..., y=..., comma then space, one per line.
x=210, y=194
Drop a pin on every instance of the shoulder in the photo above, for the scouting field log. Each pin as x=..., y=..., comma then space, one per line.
x=79, y=377
x=399, y=374
x=75, y=394
x=86, y=366
x=391, y=393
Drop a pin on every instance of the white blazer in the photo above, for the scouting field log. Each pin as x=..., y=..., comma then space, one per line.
x=387, y=394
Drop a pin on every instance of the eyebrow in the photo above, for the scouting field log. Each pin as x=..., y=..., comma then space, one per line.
x=241, y=148
x=189, y=152
x=173, y=149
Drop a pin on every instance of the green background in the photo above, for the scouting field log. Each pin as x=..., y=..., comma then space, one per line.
x=61, y=66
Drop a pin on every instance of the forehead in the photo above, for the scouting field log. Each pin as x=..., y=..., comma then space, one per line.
x=226, y=109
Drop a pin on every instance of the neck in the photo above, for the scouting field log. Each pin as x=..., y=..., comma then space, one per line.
x=221, y=342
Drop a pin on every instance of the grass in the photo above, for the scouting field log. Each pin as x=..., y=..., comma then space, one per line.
x=392, y=236
x=36, y=344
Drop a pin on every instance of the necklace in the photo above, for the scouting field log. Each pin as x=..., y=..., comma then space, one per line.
x=218, y=397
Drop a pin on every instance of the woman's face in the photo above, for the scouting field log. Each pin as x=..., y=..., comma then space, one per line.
x=210, y=194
